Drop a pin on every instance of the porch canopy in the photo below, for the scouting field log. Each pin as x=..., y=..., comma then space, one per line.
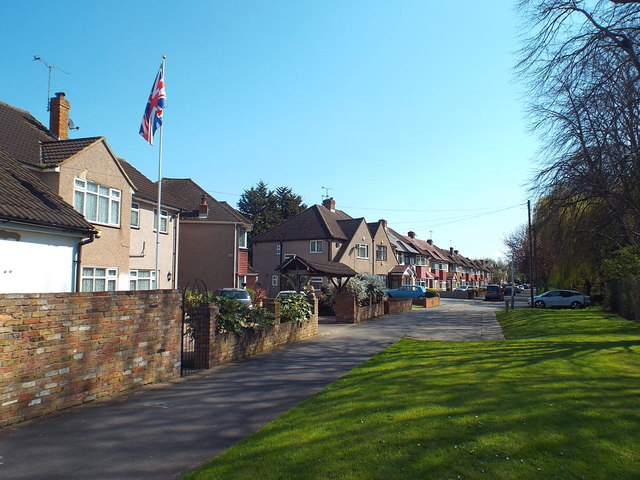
x=337, y=273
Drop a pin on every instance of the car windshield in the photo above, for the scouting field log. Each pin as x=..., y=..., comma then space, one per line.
x=237, y=294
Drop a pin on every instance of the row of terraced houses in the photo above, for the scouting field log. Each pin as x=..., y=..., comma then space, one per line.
x=74, y=216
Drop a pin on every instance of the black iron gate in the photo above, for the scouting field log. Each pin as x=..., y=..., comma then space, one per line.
x=196, y=329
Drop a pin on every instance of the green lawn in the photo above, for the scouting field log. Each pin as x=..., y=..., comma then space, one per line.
x=559, y=399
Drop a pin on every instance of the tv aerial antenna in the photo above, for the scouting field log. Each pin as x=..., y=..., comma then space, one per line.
x=326, y=192
x=51, y=67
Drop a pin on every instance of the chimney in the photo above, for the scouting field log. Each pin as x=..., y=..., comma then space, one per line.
x=383, y=223
x=430, y=242
x=59, y=116
x=203, y=208
x=455, y=251
x=412, y=234
x=329, y=203
x=450, y=250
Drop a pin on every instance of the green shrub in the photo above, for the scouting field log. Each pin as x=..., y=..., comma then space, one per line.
x=431, y=293
x=295, y=308
x=233, y=316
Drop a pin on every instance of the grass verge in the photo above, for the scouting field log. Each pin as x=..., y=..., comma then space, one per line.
x=559, y=399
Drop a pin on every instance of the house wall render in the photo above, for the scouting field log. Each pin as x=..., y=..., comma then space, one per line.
x=58, y=350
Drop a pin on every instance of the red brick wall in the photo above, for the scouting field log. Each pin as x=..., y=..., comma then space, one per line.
x=397, y=305
x=243, y=262
x=348, y=312
x=63, y=349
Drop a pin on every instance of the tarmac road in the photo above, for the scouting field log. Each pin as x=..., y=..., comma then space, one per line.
x=164, y=431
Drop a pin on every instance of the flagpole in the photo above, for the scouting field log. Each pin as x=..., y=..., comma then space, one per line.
x=159, y=214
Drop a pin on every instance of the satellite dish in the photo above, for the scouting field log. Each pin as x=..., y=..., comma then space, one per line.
x=72, y=126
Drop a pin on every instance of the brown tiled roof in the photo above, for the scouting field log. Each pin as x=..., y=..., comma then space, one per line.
x=21, y=134
x=25, y=198
x=56, y=151
x=187, y=194
x=316, y=267
x=145, y=188
x=314, y=223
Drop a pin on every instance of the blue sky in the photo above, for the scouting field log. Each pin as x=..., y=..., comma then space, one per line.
x=404, y=110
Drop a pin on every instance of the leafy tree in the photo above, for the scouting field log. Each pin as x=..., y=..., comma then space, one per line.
x=581, y=63
x=268, y=208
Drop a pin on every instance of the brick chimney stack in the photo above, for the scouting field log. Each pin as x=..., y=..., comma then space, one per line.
x=59, y=116
x=329, y=203
x=450, y=250
x=430, y=242
x=411, y=234
x=203, y=208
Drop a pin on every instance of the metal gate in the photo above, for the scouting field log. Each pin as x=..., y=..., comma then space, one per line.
x=196, y=330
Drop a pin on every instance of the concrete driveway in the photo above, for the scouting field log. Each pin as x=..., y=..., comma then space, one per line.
x=167, y=430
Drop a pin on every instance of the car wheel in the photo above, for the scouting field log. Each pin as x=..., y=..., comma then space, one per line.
x=576, y=305
x=539, y=304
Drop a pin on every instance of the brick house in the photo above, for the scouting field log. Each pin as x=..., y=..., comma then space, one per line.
x=144, y=222
x=324, y=234
x=212, y=238
x=41, y=236
x=88, y=176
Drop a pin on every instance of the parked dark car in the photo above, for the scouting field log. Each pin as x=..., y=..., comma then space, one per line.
x=507, y=291
x=561, y=299
x=494, y=292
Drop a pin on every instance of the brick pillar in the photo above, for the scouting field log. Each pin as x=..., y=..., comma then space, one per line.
x=59, y=116
x=345, y=308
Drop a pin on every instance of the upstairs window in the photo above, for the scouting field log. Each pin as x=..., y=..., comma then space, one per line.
x=381, y=253
x=278, y=249
x=99, y=204
x=164, y=220
x=242, y=237
x=315, y=246
x=362, y=250
x=135, y=215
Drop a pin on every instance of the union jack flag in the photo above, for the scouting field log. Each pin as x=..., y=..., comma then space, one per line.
x=152, y=117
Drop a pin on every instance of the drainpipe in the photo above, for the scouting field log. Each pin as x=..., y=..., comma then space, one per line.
x=235, y=255
x=79, y=257
x=176, y=232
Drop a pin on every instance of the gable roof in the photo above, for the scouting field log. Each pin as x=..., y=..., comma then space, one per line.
x=296, y=264
x=187, y=194
x=26, y=199
x=57, y=151
x=314, y=223
x=21, y=134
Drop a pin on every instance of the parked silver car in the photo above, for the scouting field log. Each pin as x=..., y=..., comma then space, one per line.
x=239, y=294
x=560, y=299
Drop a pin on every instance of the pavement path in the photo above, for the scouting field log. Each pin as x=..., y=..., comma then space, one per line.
x=163, y=431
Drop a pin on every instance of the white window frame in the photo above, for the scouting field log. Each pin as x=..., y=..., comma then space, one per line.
x=380, y=249
x=82, y=189
x=97, y=275
x=363, y=246
x=315, y=246
x=242, y=237
x=274, y=280
x=287, y=256
x=135, y=278
x=135, y=213
x=164, y=220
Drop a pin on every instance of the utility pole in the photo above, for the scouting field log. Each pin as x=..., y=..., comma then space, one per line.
x=531, y=271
